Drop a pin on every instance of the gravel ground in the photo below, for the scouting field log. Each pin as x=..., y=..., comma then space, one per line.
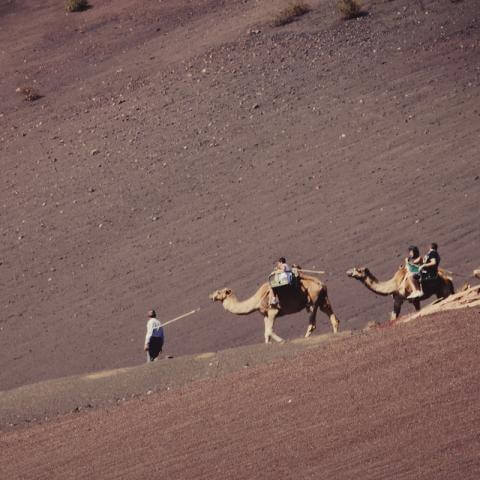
x=180, y=147
x=394, y=403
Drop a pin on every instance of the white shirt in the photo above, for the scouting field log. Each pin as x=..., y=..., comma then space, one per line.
x=154, y=329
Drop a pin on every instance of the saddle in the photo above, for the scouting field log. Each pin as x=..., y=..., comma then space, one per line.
x=428, y=276
x=281, y=279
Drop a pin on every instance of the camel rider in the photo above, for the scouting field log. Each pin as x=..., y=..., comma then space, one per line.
x=280, y=266
x=413, y=263
x=431, y=261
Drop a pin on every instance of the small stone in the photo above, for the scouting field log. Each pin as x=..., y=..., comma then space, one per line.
x=94, y=152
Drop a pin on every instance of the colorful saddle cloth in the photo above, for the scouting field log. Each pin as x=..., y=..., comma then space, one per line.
x=280, y=279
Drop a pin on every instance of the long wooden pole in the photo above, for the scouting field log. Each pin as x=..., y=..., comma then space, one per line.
x=320, y=272
x=180, y=317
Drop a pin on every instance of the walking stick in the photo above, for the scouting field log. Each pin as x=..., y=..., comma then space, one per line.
x=181, y=316
x=319, y=272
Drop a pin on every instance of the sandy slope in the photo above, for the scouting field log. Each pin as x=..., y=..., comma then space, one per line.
x=396, y=403
x=183, y=146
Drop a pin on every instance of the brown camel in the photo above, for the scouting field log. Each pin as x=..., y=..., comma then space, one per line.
x=292, y=300
x=400, y=287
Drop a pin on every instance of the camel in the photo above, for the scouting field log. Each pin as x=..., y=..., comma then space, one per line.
x=399, y=287
x=292, y=300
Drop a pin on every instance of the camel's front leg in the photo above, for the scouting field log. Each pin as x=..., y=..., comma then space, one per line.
x=397, y=306
x=416, y=304
x=312, y=321
x=327, y=309
x=269, y=321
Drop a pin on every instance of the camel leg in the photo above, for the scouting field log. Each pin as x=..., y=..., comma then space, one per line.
x=397, y=306
x=269, y=321
x=312, y=321
x=447, y=290
x=326, y=308
x=416, y=304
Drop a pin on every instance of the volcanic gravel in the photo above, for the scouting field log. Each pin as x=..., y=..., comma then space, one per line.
x=394, y=403
x=179, y=147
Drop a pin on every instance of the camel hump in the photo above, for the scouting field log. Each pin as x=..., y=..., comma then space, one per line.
x=445, y=274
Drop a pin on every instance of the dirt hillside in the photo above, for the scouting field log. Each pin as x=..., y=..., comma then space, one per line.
x=394, y=403
x=180, y=146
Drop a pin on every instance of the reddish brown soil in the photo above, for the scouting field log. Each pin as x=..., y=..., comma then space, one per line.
x=182, y=146
x=395, y=403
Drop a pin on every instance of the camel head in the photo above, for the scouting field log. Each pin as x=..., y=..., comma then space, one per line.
x=220, y=295
x=359, y=273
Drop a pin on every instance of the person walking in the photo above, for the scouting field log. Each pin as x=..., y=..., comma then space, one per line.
x=155, y=337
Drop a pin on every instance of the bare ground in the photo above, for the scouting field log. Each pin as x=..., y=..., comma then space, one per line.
x=179, y=147
x=394, y=403
x=182, y=147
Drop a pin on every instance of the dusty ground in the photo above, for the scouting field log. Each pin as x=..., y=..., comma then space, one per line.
x=394, y=403
x=42, y=401
x=183, y=146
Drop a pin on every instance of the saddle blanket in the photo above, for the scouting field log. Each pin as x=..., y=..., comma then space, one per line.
x=280, y=279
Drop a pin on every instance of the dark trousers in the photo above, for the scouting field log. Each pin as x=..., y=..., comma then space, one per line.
x=154, y=348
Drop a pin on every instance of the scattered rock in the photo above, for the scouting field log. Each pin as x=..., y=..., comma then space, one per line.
x=94, y=152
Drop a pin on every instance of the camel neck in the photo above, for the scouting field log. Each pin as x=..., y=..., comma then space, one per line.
x=233, y=305
x=387, y=287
